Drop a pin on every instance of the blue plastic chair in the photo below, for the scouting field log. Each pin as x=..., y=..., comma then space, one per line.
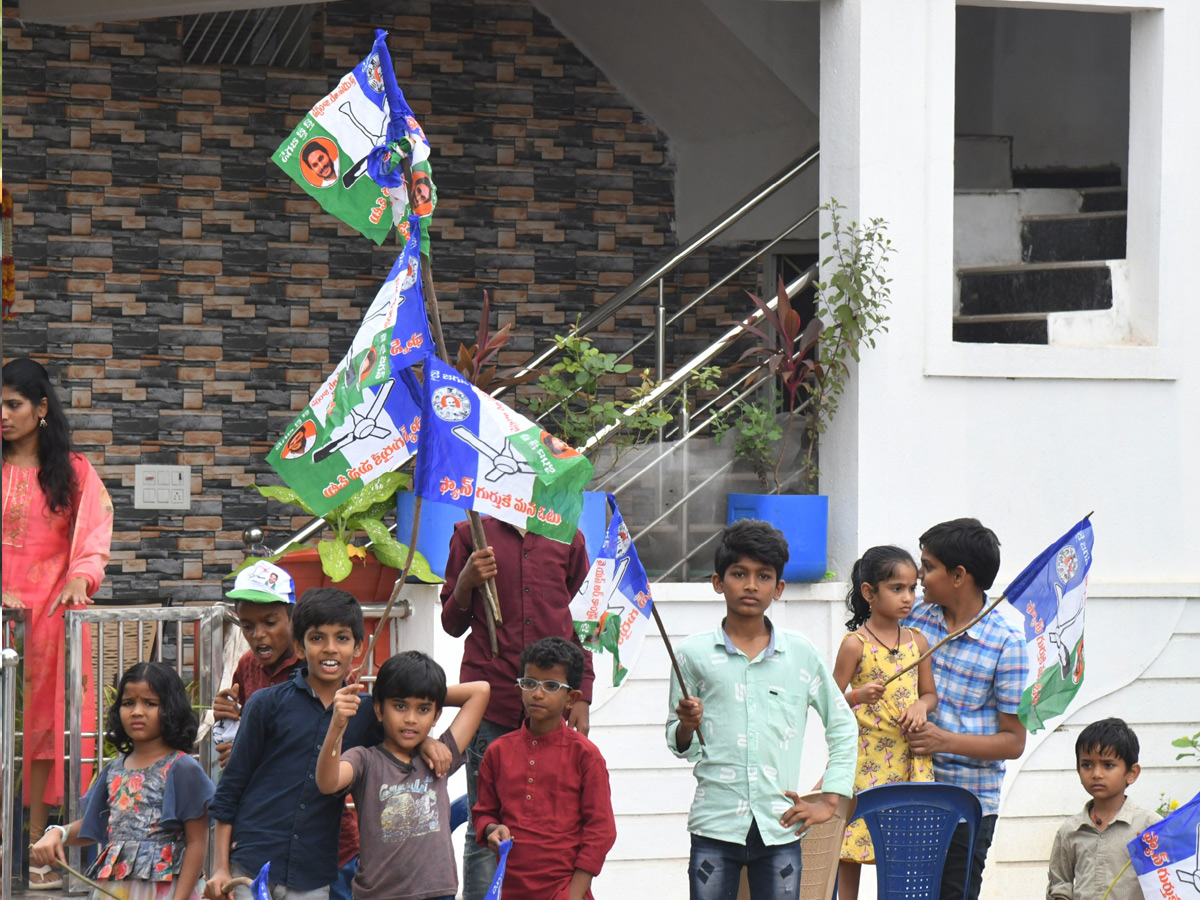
x=460, y=809
x=911, y=825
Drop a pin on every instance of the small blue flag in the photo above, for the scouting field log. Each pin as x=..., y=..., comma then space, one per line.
x=258, y=888
x=498, y=882
x=1166, y=856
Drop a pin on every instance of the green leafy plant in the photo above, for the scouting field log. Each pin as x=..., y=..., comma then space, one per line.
x=577, y=397
x=364, y=512
x=1191, y=749
x=812, y=362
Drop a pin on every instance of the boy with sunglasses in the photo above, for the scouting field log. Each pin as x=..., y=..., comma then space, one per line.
x=529, y=775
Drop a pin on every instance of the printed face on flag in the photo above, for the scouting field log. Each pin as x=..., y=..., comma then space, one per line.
x=612, y=606
x=1050, y=594
x=326, y=153
x=365, y=418
x=477, y=453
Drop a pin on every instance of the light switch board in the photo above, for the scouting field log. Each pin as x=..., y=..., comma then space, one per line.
x=162, y=487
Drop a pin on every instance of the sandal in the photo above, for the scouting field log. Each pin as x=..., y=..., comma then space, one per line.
x=46, y=879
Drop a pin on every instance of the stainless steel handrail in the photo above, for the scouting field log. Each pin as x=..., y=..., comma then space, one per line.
x=735, y=213
x=8, y=692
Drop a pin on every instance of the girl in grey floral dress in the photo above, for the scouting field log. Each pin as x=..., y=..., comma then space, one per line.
x=149, y=807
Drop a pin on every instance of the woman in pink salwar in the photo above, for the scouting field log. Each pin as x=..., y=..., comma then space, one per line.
x=57, y=530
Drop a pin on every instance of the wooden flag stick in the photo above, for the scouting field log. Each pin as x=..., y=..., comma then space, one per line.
x=491, y=596
x=62, y=865
x=412, y=554
x=928, y=653
x=674, y=662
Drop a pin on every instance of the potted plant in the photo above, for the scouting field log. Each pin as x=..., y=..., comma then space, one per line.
x=810, y=365
x=366, y=572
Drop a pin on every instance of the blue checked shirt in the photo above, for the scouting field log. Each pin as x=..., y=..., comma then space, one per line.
x=755, y=711
x=977, y=676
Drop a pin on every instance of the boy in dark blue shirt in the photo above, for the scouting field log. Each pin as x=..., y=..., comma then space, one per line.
x=268, y=807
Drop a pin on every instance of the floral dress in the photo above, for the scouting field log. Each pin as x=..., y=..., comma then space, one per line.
x=883, y=753
x=137, y=816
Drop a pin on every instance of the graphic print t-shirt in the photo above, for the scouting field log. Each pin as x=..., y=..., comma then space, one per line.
x=404, y=826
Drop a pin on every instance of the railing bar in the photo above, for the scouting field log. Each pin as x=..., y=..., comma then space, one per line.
x=233, y=37
x=249, y=37
x=287, y=33
x=179, y=648
x=226, y=17
x=708, y=540
x=159, y=631
x=212, y=17
x=274, y=25
x=736, y=212
x=725, y=467
x=187, y=37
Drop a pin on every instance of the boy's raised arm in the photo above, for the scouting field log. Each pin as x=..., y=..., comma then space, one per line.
x=472, y=698
x=333, y=773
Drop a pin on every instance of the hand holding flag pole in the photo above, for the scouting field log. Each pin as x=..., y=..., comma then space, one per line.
x=674, y=662
x=958, y=633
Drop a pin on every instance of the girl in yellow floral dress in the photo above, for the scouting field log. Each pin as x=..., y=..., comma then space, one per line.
x=882, y=592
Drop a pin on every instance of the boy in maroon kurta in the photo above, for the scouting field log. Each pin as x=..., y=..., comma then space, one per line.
x=528, y=777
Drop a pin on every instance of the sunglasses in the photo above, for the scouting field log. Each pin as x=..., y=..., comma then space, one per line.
x=549, y=686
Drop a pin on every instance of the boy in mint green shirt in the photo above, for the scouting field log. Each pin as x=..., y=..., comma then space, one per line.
x=753, y=686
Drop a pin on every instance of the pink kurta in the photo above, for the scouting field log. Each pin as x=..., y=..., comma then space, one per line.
x=42, y=552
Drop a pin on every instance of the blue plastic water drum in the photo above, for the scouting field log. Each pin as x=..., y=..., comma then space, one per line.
x=438, y=521
x=804, y=521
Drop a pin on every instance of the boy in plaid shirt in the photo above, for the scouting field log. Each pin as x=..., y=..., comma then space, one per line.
x=979, y=678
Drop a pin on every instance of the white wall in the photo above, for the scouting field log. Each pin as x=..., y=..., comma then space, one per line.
x=1152, y=682
x=1057, y=82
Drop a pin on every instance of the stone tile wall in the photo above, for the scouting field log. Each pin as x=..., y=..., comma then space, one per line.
x=190, y=298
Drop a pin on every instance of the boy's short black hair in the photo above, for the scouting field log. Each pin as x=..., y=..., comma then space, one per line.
x=411, y=674
x=753, y=538
x=176, y=719
x=238, y=604
x=1109, y=734
x=327, y=606
x=555, y=651
x=967, y=543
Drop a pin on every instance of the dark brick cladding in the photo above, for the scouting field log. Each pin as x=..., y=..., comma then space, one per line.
x=190, y=299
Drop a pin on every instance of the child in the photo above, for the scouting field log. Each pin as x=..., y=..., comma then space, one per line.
x=149, y=807
x=882, y=591
x=403, y=807
x=754, y=685
x=268, y=807
x=1089, y=858
x=545, y=787
x=535, y=583
x=979, y=679
x=264, y=596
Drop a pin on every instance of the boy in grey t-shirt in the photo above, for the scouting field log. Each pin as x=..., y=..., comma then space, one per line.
x=403, y=806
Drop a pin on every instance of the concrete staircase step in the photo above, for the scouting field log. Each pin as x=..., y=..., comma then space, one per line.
x=1020, y=328
x=1034, y=288
x=1073, y=238
x=1102, y=199
x=1099, y=176
x=982, y=162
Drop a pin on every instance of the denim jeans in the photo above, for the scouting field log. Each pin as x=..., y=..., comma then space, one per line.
x=715, y=868
x=341, y=889
x=955, y=869
x=479, y=863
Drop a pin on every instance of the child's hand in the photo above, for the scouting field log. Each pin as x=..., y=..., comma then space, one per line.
x=345, y=705
x=437, y=756
x=806, y=814
x=217, y=887
x=869, y=693
x=912, y=717
x=497, y=836
x=49, y=849
x=690, y=712
x=225, y=703
x=479, y=567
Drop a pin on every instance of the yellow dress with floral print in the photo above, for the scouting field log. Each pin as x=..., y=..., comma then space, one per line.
x=883, y=753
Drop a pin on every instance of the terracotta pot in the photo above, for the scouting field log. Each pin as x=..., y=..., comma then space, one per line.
x=369, y=581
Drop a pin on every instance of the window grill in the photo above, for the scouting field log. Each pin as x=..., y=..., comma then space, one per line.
x=279, y=36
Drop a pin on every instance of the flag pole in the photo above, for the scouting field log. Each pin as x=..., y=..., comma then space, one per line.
x=674, y=662
x=491, y=596
x=928, y=653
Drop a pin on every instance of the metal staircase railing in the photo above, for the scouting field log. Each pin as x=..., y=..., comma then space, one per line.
x=676, y=440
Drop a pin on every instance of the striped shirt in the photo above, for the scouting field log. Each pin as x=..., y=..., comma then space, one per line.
x=978, y=676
